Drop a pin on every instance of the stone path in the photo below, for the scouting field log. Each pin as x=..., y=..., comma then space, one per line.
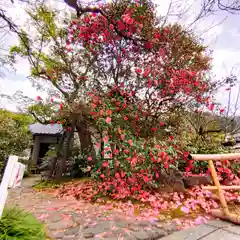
x=212, y=230
x=79, y=220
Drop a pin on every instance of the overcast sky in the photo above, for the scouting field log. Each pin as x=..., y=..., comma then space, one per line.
x=223, y=38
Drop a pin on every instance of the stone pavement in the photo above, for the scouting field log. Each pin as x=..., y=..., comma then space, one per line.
x=212, y=230
x=81, y=220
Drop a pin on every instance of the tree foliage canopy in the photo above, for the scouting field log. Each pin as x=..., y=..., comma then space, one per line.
x=14, y=135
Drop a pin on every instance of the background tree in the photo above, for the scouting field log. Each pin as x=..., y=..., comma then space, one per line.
x=52, y=62
x=231, y=116
x=14, y=134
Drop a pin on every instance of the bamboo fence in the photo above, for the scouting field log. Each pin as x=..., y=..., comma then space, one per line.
x=225, y=213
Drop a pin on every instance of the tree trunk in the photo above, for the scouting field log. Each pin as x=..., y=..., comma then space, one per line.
x=85, y=139
x=65, y=152
x=53, y=165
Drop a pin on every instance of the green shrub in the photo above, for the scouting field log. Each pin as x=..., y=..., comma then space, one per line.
x=17, y=224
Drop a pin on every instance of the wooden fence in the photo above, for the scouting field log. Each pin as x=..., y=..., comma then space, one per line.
x=224, y=212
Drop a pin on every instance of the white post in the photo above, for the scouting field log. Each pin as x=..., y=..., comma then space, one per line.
x=12, y=160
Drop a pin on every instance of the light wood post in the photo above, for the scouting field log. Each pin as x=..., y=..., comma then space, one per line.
x=217, y=184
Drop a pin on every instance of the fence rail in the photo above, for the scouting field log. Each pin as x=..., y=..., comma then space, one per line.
x=216, y=157
x=223, y=213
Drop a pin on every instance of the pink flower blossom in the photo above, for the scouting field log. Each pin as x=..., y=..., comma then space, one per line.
x=185, y=209
x=108, y=120
x=105, y=139
x=130, y=142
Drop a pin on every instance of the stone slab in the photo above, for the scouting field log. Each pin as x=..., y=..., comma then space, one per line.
x=219, y=223
x=234, y=229
x=191, y=233
x=221, y=235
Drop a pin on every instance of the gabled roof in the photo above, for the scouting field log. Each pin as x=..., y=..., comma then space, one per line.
x=47, y=129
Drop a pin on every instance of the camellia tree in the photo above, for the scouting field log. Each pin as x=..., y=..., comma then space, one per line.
x=142, y=73
x=127, y=74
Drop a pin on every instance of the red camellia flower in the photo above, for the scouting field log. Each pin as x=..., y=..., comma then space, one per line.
x=161, y=124
x=171, y=138
x=157, y=35
x=211, y=106
x=89, y=158
x=125, y=118
x=186, y=154
x=93, y=105
x=105, y=164
x=61, y=106
x=154, y=129
x=146, y=179
x=117, y=175
x=166, y=165
x=138, y=70
x=187, y=169
x=39, y=98
x=148, y=45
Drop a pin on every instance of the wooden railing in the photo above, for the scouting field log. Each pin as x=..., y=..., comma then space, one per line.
x=223, y=213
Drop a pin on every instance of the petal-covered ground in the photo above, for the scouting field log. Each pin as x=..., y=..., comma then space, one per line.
x=186, y=209
x=73, y=211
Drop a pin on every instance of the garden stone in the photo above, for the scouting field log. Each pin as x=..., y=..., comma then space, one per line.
x=117, y=232
x=55, y=218
x=134, y=228
x=110, y=238
x=140, y=235
x=143, y=223
x=88, y=235
x=122, y=223
x=72, y=231
x=170, y=228
x=219, y=223
x=196, y=180
x=85, y=226
x=129, y=238
x=69, y=237
x=56, y=235
x=176, y=186
x=99, y=228
x=59, y=225
x=78, y=221
x=156, y=234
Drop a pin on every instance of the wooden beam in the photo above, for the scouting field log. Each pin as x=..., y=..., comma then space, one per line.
x=234, y=218
x=216, y=157
x=222, y=187
x=218, y=186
